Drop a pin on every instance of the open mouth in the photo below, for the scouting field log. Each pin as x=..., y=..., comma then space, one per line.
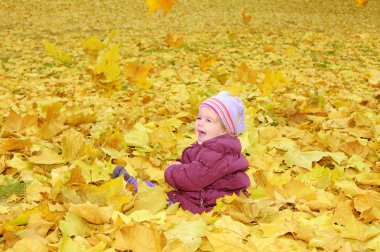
x=201, y=133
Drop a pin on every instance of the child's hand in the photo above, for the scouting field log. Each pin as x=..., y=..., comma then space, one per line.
x=174, y=163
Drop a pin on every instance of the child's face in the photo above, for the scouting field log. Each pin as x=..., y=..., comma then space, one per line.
x=208, y=125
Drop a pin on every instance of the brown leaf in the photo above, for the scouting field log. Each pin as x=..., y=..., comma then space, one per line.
x=355, y=148
x=17, y=123
x=12, y=144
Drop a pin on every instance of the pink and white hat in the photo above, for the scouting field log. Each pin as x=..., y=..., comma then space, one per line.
x=229, y=109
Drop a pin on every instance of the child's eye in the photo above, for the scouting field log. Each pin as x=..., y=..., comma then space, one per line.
x=198, y=118
x=208, y=120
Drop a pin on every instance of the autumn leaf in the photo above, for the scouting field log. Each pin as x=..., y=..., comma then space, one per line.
x=226, y=242
x=246, y=16
x=107, y=65
x=57, y=53
x=374, y=77
x=173, y=41
x=92, y=213
x=165, y=5
x=355, y=148
x=272, y=81
x=205, y=62
x=137, y=74
x=139, y=237
x=361, y=3
x=47, y=157
x=74, y=225
x=188, y=232
x=246, y=74
x=72, y=145
x=13, y=144
x=93, y=45
x=18, y=123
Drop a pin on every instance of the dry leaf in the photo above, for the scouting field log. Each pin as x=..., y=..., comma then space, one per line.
x=137, y=73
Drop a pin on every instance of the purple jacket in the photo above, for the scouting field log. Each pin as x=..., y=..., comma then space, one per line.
x=208, y=171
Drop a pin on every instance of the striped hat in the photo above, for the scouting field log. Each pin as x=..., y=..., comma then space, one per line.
x=229, y=109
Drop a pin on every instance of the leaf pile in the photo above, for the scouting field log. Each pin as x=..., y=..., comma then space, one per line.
x=85, y=86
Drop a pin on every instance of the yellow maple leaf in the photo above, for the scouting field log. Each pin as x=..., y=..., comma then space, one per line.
x=138, y=237
x=374, y=77
x=225, y=242
x=165, y=5
x=74, y=225
x=92, y=212
x=93, y=45
x=205, y=62
x=137, y=73
x=29, y=244
x=146, y=195
x=236, y=228
x=357, y=230
x=246, y=16
x=57, y=53
x=72, y=144
x=12, y=144
x=234, y=89
x=18, y=123
x=162, y=137
x=361, y=3
x=355, y=148
x=272, y=81
x=46, y=156
x=107, y=65
x=173, y=41
x=246, y=74
x=189, y=232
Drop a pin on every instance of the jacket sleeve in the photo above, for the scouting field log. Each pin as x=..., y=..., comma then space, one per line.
x=195, y=176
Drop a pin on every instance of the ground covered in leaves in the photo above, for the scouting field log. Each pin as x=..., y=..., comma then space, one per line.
x=85, y=85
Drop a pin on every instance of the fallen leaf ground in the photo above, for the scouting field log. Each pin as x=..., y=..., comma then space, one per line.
x=307, y=71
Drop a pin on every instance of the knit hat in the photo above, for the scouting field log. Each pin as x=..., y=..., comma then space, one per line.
x=229, y=109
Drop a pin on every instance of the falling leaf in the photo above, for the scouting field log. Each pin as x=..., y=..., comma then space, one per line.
x=137, y=73
x=107, y=65
x=361, y=3
x=93, y=45
x=246, y=16
x=205, y=62
x=57, y=53
x=173, y=41
x=165, y=5
x=244, y=73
